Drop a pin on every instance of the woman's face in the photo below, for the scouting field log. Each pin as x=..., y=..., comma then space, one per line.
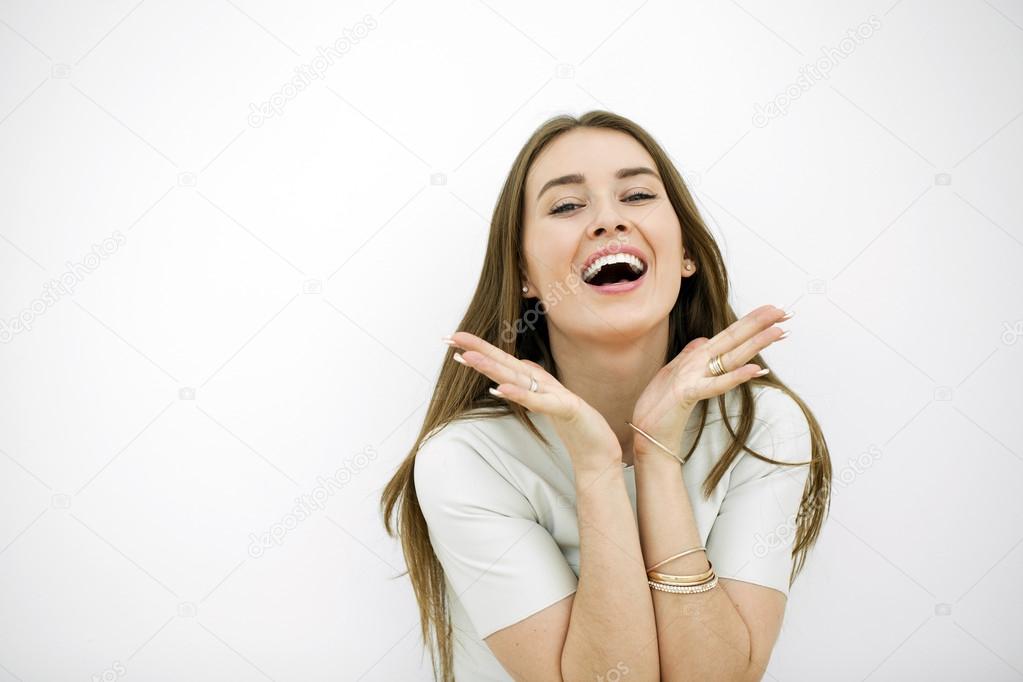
x=568, y=222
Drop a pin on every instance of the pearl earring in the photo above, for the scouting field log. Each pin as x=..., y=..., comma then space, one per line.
x=689, y=266
x=524, y=288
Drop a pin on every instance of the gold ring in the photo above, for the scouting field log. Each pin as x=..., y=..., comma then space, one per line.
x=716, y=366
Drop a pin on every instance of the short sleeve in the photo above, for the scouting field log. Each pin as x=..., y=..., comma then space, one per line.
x=753, y=535
x=502, y=564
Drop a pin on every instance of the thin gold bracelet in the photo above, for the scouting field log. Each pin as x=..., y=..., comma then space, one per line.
x=658, y=444
x=680, y=554
x=688, y=580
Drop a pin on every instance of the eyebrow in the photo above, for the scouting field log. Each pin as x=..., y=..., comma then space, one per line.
x=578, y=179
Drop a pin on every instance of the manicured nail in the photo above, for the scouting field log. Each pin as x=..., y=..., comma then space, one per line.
x=458, y=358
x=762, y=372
x=448, y=340
x=494, y=391
x=783, y=335
x=788, y=315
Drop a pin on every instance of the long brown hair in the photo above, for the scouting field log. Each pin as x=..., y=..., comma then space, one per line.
x=702, y=309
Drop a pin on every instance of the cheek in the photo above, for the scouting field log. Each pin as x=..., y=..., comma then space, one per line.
x=549, y=257
x=666, y=240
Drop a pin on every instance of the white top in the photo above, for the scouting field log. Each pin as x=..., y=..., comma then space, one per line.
x=500, y=508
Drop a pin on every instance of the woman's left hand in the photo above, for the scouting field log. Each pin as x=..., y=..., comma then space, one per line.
x=664, y=407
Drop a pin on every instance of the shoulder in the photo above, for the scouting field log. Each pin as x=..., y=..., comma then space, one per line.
x=483, y=429
x=466, y=457
x=754, y=531
x=471, y=493
x=449, y=447
x=775, y=400
x=780, y=432
x=779, y=425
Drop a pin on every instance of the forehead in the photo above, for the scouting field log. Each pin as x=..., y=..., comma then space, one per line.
x=597, y=153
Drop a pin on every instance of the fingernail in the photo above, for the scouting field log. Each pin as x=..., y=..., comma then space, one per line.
x=496, y=392
x=783, y=335
x=762, y=372
x=788, y=315
x=458, y=358
x=448, y=340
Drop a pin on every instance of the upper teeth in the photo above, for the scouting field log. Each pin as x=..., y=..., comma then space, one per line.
x=635, y=263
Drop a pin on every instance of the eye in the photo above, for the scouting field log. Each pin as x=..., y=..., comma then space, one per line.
x=560, y=208
x=563, y=208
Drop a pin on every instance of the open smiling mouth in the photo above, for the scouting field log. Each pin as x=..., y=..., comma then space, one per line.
x=619, y=268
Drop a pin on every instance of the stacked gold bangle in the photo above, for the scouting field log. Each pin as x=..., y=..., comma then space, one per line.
x=682, y=584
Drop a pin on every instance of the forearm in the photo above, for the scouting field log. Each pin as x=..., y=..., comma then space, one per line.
x=700, y=636
x=612, y=625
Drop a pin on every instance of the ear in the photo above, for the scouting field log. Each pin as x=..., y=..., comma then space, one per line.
x=688, y=266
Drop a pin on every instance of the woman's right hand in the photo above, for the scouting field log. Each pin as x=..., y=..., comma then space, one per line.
x=590, y=442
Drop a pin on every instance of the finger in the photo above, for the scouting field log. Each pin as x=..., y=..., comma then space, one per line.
x=729, y=380
x=750, y=348
x=741, y=330
x=499, y=373
x=552, y=404
x=472, y=342
x=504, y=368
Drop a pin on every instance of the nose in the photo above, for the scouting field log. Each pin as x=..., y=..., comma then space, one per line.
x=609, y=223
x=619, y=229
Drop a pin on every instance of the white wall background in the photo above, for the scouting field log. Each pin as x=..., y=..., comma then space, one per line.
x=206, y=312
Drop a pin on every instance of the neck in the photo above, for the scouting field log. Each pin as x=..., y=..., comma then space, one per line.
x=611, y=373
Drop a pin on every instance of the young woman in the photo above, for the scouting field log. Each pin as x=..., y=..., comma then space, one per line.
x=608, y=482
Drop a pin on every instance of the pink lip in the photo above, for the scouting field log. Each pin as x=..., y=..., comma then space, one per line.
x=615, y=248
x=620, y=287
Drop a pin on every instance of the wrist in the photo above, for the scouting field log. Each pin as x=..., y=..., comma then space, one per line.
x=597, y=465
x=668, y=429
x=595, y=481
x=646, y=452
